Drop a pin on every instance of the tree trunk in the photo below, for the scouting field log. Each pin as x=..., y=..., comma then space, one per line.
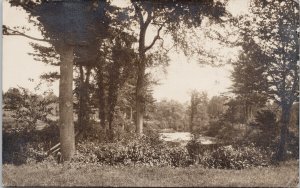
x=284, y=122
x=140, y=85
x=66, y=123
x=191, y=122
x=113, y=92
x=86, y=99
x=193, y=109
x=83, y=115
x=81, y=111
x=131, y=114
x=101, y=96
x=140, y=97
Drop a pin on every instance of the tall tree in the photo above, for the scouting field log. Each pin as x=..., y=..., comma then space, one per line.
x=12, y=99
x=118, y=71
x=273, y=25
x=82, y=87
x=167, y=15
x=216, y=107
x=68, y=29
x=198, y=110
x=252, y=93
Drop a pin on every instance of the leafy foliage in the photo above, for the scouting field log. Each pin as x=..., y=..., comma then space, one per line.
x=228, y=155
x=170, y=115
x=12, y=98
x=216, y=107
x=135, y=151
x=274, y=26
x=30, y=107
x=235, y=157
x=24, y=146
x=198, y=111
x=265, y=122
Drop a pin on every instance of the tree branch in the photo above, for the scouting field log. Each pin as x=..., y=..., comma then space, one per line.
x=8, y=31
x=149, y=17
x=139, y=13
x=154, y=40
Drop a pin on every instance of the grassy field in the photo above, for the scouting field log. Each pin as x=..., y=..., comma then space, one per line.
x=284, y=175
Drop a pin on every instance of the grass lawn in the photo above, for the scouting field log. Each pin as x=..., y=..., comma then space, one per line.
x=284, y=175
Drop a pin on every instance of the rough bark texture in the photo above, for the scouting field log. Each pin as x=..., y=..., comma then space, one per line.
x=66, y=123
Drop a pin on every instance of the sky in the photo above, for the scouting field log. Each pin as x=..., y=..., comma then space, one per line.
x=182, y=76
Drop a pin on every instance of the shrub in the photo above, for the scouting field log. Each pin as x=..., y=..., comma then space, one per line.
x=21, y=152
x=28, y=108
x=266, y=129
x=293, y=146
x=85, y=153
x=134, y=151
x=228, y=156
x=225, y=130
x=213, y=128
x=23, y=146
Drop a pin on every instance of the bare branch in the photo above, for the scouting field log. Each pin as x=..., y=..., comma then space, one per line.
x=154, y=40
x=8, y=31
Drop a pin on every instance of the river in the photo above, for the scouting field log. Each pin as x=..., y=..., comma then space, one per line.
x=184, y=137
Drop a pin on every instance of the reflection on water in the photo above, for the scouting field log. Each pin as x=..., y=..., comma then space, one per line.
x=184, y=137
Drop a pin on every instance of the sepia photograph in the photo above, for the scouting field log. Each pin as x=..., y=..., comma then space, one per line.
x=150, y=93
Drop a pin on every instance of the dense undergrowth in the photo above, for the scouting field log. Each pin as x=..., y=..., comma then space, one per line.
x=133, y=150
x=128, y=149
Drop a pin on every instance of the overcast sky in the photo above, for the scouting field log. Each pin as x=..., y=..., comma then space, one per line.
x=181, y=76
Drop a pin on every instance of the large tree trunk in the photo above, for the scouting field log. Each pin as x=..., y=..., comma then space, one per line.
x=140, y=84
x=140, y=97
x=66, y=124
x=284, y=122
